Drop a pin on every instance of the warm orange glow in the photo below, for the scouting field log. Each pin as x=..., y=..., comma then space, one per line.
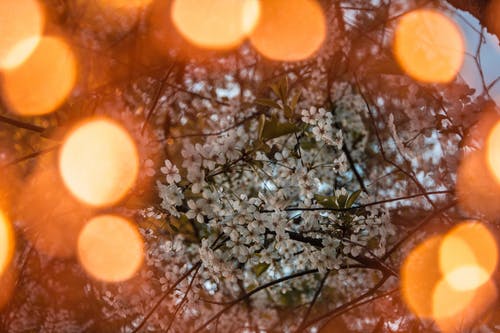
x=468, y=256
x=8, y=283
x=110, y=248
x=42, y=82
x=50, y=218
x=21, y=25
x=456, y=311
x=99, y=162
x=449, y=278
x=477, y=190
x=419, y=276
x=429, y=46
x=6, y=243
x=217, y=24
x=493, y=151
x=125, y=4
x=289, y=30
x=458, y=264
x=447, y=301
x=467, y=277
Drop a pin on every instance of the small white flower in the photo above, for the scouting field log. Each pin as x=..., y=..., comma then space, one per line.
x=171, y=172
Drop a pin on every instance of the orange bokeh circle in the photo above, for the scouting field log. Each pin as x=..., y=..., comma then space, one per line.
x=429, y=46
x=110, y=248
x=289, y=30
x=99, y=162
x=21, y=26
x=215, y=24
x=43, y=81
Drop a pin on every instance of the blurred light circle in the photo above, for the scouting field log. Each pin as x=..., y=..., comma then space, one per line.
x=20, y=20
x=99, y=162
x=460, y=310
x=468, y=255
x=429, y=46
x=289, y=30
x=110, y=248
x=493, y=151
x=43, y=81
x=447, y=301
x=467, y=277
x=215, y=24
x=6, y=243
x=419, y=276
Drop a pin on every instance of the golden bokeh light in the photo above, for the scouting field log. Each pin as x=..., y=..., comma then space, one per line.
x=110, y=248
x=43, y=81
x=493, y=151
x=429, y=46
x=477, y=190
x=458, y=310
x=419, y=275
x=449, y=278
x=468, y=255
x=99, y=162
x=6, y=243
x=467, y=277
x=215, y=24
x=21, y=25
x=289, y=30
x=447, y=301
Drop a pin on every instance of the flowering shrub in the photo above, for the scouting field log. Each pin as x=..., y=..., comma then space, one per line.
x=271, y=196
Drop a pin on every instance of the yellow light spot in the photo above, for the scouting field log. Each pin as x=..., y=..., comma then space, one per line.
x=6, y=243
x=457, y=263
x=110, y=248
x=457, y=311
x=99, y=162
x=419, y=276
x=447, y=301
x=467, y=277
x=43, y=81
x=429, y=46
x=20, y=20
x=216, y=24
x=289, y=30
x=468, y=255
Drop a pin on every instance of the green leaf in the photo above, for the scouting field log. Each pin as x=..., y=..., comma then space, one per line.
x=352, y=198
x=274, y=129
x=276, y=89
x=284, y=89
x=295, y=100
x=259, y=269
x=262, y=121
x=327, y=201
x=342, y=200
x=268, y=102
